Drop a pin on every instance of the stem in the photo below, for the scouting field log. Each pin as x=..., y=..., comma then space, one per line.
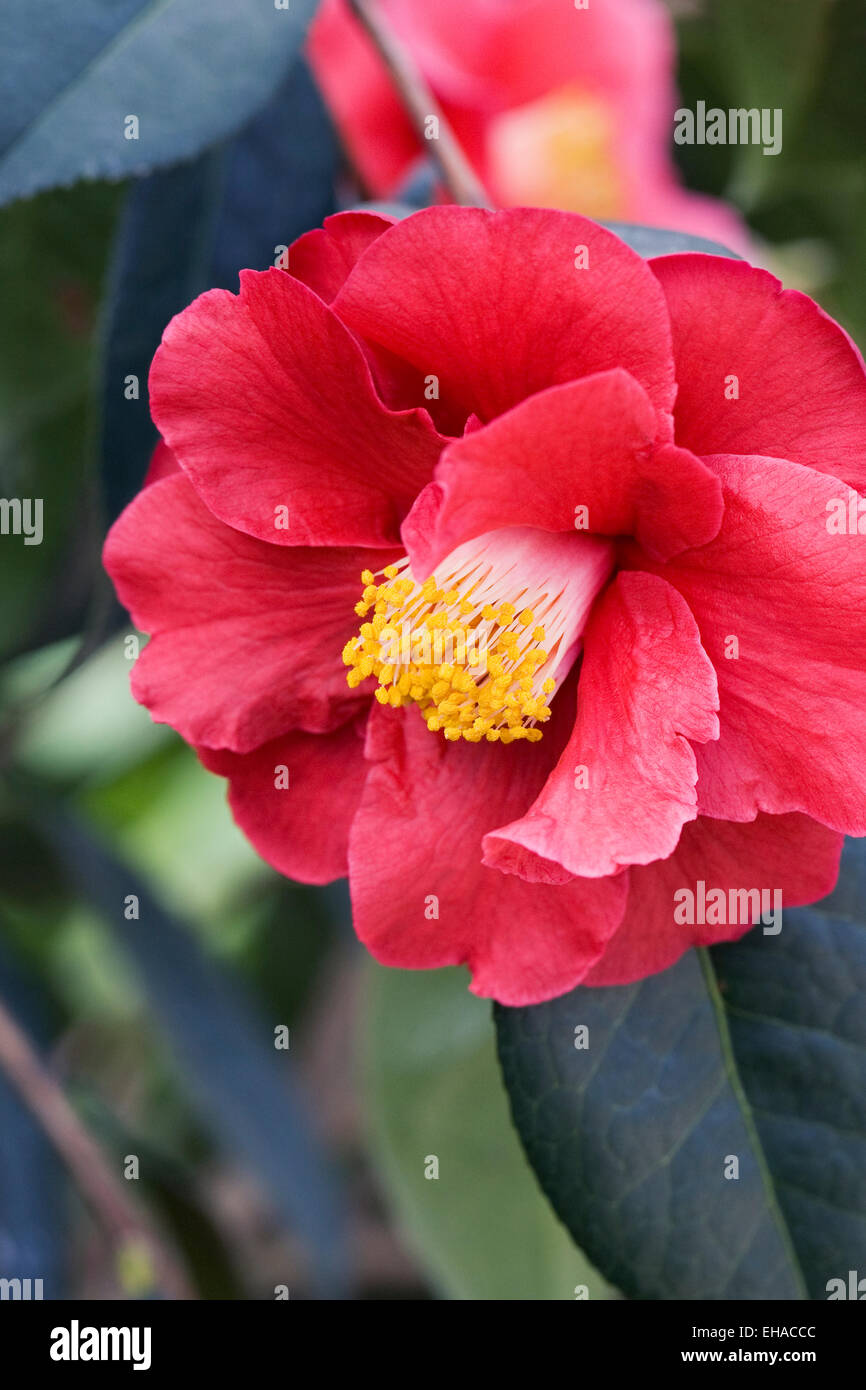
x=457, y=173
x=84, y=1159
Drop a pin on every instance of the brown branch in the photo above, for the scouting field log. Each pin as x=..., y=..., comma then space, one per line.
x=128, y=1230
x=457, y=173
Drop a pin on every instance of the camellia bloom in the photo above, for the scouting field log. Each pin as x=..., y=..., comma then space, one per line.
x=556, y=106
x=604, y=484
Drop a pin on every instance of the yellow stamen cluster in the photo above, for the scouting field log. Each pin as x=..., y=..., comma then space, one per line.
x=486, y=686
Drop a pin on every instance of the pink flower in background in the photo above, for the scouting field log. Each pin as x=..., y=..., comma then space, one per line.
x=555, y=106
x=620, y=473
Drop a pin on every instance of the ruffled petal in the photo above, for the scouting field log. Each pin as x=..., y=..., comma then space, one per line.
x=625, y=783
x=581, y=455
x=246, y=637
x=324, y=257
x=269, y=405
x=781, y=607
x=499, y=305
x=762, y=370
x=791, y=854
x=420, y=893
x=295, y=798
x=162, y=464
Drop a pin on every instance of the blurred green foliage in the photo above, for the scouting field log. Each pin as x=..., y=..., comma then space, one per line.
x=809, y=202
x=433, y=1091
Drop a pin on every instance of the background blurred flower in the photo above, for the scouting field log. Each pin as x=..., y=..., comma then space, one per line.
x=555, y=106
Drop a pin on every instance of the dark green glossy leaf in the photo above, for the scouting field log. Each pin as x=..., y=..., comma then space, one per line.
x=189, y=73
x=754, y=1051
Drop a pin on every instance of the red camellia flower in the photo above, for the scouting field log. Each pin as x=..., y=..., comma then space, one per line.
x=556, y=105
x=504, y=570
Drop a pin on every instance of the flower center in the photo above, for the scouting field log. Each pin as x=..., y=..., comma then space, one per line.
x=558, y=151
x=482, y=645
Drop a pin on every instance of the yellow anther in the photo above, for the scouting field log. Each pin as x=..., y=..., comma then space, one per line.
x=472, y=666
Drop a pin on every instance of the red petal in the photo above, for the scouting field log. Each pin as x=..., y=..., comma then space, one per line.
x=247, y=637
x=646, y=688
x=793, y=735
x=790, y=853
x=801, y=381
x=301, y=829
x=162, y=464
x=493, y=305
x=324, y=257
x=415, y=850
x=588, y=443
x=269, y=404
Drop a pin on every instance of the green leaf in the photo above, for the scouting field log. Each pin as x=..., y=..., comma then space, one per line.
x=754, y=1051
x=767, y=56
x=53, y=253
x=432, y=1089
x=74, y=77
